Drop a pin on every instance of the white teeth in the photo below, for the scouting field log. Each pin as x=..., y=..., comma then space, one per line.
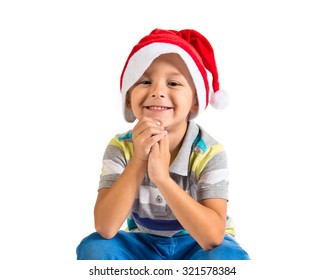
x=157, y=108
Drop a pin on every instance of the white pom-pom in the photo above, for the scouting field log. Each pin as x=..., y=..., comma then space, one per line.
x=219, y=99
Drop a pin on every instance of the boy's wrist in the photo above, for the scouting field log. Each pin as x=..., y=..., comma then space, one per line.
x=140, y=159
x=162, y=181
x=139, y=162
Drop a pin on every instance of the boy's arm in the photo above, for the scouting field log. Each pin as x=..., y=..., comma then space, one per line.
x=205, y=221
x=114, y=203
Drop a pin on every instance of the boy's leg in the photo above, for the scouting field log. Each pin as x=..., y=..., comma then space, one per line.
x=189, y=249
x=124, y=246
x=228, y=250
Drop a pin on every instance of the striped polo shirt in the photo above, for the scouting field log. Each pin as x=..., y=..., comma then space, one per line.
x=200, y=169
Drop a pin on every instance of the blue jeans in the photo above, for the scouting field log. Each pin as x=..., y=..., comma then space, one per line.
x=141, y=246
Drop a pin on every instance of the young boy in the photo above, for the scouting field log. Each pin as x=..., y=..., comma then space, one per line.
x=167, y=177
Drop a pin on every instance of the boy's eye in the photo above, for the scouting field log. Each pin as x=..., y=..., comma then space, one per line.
x=173, y=84
x=145, y=82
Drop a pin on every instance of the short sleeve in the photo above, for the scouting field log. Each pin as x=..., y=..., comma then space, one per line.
x=213, y=180
x=113, y=164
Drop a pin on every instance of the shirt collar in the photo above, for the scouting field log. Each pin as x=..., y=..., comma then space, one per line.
x=181, y=162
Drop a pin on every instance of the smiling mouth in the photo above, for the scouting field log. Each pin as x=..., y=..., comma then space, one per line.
x=157, y=108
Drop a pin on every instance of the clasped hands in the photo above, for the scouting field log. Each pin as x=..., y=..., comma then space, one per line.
x=151, y=144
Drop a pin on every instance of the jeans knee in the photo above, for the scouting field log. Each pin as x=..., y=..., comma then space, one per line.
x=228, y=250
x=94, y=247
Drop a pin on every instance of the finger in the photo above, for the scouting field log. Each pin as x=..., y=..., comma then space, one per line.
x=154, y=148
x=154, y=139
x=164, y=144
x=151, y=131
x=149, y=121
x=147, y=130
x=143, y=125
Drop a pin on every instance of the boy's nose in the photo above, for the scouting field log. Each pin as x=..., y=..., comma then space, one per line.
x=157, y=91
x=157, y=95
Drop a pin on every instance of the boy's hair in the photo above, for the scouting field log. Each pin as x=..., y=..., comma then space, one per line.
x=196, y=52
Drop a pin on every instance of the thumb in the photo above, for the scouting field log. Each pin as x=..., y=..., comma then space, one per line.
x=164, y=144
x=154, y=149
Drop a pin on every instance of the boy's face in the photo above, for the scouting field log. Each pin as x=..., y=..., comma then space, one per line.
x=165, y=92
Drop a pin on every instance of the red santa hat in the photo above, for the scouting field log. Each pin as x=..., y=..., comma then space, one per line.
x=196, y=52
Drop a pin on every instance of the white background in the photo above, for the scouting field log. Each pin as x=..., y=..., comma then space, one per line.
x=60, y=63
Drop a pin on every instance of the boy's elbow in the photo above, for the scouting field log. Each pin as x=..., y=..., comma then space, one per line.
x=212, y=242
x=105, y=232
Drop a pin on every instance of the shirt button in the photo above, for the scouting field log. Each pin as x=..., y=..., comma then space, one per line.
x=159, y=199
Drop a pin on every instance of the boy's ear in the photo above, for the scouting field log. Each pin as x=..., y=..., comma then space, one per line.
x=128, y=100
x=195, y=105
